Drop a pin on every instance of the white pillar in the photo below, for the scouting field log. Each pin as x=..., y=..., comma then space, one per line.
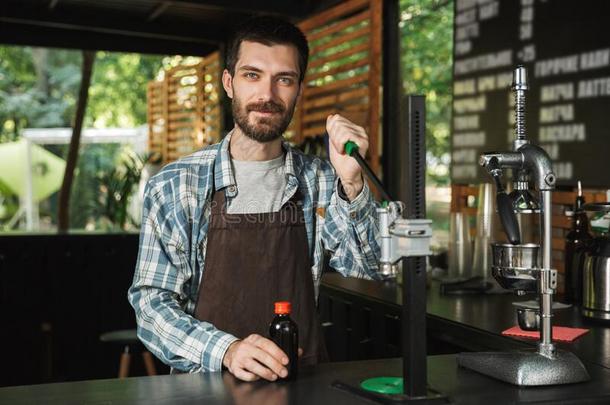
x=31, y=206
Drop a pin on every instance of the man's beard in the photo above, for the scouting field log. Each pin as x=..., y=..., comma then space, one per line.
x=262, y=129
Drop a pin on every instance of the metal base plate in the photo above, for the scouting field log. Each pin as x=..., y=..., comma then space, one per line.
x=432, y=397
x=527, y=368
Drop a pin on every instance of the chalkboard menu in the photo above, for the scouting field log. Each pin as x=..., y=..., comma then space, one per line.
x=565, y=47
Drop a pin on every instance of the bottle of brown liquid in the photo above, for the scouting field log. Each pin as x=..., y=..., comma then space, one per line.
x=284, y=332
x=577, y=242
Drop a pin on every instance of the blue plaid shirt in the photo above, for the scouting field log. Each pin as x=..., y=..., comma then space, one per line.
x=173, y=241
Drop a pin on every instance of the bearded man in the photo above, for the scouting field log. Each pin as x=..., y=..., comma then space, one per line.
x=236, y=226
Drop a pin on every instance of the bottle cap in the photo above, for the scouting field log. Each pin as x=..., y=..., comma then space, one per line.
x=282, y=307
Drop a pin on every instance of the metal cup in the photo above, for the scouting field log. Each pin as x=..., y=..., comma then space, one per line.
x=486, y=227
x=485, y=210
x=528, y=318
x=460, y=246
x=515, y=267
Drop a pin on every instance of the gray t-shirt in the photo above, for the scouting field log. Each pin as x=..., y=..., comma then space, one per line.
x=260, y=186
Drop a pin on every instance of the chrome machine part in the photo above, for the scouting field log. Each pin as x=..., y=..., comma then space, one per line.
x=520, y=256
x=503, y=202
x=513, y=160
x=521, y=280
x=539, y=165
x=401, y=238
x=528, y=157
x=523, y=200
x=518, y=268
x=387, y=215
x=519, y=87
x=528, y=318
x=548, y=279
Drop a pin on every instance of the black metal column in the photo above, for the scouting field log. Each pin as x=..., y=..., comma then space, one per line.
x=392, y=93
x=414, y=268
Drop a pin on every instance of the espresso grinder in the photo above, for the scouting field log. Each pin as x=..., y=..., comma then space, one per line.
x=526, y=268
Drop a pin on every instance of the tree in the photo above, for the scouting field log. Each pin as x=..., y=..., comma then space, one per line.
x=118, y=89
x=39, y=88
x=427, y=57
x=83, y=94
x=36, y=89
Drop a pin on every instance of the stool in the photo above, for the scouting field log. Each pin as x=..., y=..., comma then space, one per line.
x=129, y=339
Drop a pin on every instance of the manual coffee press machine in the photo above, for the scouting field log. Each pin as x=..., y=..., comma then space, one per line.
x=516, y=266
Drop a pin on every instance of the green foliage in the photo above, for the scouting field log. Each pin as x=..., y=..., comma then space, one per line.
x=117, y=97
x=39, y=88
x=427, y=57
x=9, y=204
x=116, y=187
x=94, y=160
x=105, y=179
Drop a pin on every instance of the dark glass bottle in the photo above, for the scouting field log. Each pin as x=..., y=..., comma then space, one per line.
x=285, y=333
x=577, y=242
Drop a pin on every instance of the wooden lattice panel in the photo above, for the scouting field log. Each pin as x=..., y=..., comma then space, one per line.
x=157, y=119
x=185, y=107
x=183, y=87
x=344, y=71
x=211, y=124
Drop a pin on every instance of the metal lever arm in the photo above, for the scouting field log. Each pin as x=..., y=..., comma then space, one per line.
x=504, y=203
x=351, y=149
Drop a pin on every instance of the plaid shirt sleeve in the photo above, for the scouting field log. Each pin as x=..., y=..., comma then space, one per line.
x=351, y=233
x=157, y=293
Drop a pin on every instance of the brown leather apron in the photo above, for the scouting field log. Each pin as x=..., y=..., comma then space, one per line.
x=253, y=260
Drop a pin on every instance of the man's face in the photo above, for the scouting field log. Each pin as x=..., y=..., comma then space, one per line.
x=264, y=89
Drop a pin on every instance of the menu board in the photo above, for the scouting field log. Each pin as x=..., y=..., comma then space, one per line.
x=565, y=47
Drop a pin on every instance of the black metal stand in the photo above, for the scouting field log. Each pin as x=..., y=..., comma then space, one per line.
x=414, y=347
x=414, y=268
x=415, y=370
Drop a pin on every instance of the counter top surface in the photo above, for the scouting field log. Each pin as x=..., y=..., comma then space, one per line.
x=484, y=315
x=313, y=386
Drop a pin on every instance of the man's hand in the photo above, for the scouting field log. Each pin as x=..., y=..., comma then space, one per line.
x=340, y=130
x=255, y=357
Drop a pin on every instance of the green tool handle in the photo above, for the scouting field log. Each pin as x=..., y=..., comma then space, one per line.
x=351, y=148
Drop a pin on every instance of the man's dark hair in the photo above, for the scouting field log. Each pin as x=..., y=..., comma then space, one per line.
x=268, y=31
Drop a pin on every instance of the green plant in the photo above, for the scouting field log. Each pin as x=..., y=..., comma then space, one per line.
x=116, y=187
x=9, y=204
x=427, y=58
